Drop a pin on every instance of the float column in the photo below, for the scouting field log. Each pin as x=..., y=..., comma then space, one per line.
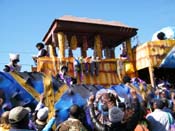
x=61, y=44
x=98, y=47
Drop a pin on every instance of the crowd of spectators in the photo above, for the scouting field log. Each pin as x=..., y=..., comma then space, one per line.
x=106, y=112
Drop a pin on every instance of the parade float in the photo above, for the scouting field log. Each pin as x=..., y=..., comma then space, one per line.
x=155, y=59
x=103, y=67
x=69, y=34
x=99, y=71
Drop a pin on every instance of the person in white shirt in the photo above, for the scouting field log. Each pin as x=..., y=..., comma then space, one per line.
x=159, y=120
x=13, y=65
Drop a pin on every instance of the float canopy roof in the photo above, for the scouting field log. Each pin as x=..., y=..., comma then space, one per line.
x=112, y=33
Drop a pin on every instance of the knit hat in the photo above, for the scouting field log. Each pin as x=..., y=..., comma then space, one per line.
x=42, y=113
x=17, y=114
x=115, y=114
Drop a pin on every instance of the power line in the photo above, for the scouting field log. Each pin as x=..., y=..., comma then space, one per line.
x=6, y=52
x=20, y=64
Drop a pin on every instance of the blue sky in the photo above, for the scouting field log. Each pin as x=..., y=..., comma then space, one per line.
x=23, y=23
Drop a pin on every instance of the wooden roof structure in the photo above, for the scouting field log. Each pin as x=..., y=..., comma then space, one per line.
x=112, y=33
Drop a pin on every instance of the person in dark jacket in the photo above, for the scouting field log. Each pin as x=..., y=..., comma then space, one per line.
x=42, y=52
x=128, y=122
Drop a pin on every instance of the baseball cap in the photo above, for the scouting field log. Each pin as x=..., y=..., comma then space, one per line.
x=115, y=114
x=17, y=114
x=42, y=114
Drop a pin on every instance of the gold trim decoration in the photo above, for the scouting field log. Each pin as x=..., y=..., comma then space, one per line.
x=74, y=42
x=60, y=92
x=49, y=94
x=61, y=44
x=27, y=87
x=97, y=47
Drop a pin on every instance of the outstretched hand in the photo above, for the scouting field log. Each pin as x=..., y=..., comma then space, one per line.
x=42, y=97
x=91, y=100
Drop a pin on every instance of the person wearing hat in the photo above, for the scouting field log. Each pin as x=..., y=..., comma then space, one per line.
x=13, y=65
x=42, y=52
x=19, y=119
x=41, y=120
